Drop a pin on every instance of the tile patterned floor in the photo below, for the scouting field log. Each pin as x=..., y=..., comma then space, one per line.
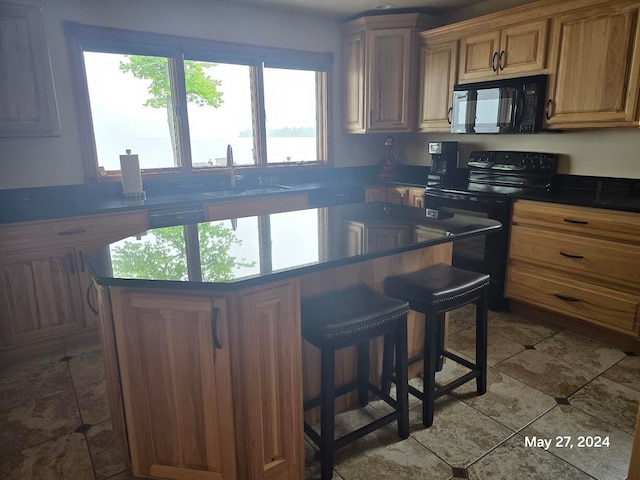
x=543, y=382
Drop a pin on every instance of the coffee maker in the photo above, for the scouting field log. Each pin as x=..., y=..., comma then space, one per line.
x=444, y=162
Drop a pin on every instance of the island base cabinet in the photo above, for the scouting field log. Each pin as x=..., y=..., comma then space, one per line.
x=267, y=378
x=173, y=354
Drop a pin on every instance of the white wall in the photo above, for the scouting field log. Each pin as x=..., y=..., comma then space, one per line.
x=57, y=160
x=603, y=152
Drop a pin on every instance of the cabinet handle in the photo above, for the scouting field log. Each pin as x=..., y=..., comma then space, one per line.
x=566, y=298
x=88, y=297
x=547, y=112
x=493, y=62
x=72, y=265
x=214, y=328
x=570, y=255
x=502, y=57
x=419, y=203
x=72, y=232
x=449, y=115
x=577, y=222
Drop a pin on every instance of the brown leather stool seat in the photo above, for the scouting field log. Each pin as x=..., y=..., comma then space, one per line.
x=434, y=291
x=347, y=318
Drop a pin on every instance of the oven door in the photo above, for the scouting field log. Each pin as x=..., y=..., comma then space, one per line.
x=483, y=253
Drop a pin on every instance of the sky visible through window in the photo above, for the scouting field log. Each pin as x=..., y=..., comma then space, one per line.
x=121, y=121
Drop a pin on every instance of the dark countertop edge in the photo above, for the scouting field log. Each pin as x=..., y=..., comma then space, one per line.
x=262, y=279
x=577, y=202
x=120, y=204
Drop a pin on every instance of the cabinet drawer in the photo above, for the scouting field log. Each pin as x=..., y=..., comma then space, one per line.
x=599, y=305
x=77, y=231
x=599, y=259
x=581, y=220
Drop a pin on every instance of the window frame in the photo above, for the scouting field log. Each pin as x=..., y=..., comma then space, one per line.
x=177, y=49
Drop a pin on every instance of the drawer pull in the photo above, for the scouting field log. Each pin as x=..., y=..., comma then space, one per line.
x=579, y=222
x=214, y=328
x=72, y=232
x=571, y=256
x=566, y=298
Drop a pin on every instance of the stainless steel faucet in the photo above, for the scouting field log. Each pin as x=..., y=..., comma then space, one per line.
x=232, y=176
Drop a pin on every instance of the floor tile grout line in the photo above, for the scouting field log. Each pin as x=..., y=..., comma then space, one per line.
x=86, y=439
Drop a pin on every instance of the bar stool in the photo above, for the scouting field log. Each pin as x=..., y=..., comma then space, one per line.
x=347, y=318
x=434, y=291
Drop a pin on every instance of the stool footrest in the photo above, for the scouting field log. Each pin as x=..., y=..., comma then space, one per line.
x=312, y=434
x=462, y=361
x=449, y=387
x=368, y=428
x=343, y=390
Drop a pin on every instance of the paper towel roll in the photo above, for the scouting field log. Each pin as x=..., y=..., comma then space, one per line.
x=131, y=177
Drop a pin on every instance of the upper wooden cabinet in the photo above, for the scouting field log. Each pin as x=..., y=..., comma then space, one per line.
x=27, y=98
x=438, y=73
x=379, y=64
x=516, y=50
x=595, y=67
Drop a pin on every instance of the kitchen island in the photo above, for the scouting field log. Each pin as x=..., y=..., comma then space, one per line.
x=200, y=327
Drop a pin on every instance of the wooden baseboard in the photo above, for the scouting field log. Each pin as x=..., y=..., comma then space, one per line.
x=50, y=345
x=617, y=340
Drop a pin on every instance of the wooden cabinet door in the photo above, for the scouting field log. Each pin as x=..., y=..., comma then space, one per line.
x=354, y=238
x=382, y=237
x=40, y=297
x=479, y=56
x=375, y=194
x=173, y=352
x=390, y=73
x=523, y=48
x=353, y=61
x=27, y=98
x=595, y=69
x=438, y=71
x=397, y=195
x=416, y=197
x=267, y=382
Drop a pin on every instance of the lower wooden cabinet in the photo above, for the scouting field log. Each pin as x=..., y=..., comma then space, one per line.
x=372, y=236
x=173, y=353
x=211, y=385
x=40, y=297
x=580, y=262
x=412, y=196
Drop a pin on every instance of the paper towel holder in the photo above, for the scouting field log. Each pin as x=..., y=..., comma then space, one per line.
x=131, y=177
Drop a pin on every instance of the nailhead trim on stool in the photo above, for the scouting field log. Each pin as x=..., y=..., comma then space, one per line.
x=435, y=291
x=345, y=318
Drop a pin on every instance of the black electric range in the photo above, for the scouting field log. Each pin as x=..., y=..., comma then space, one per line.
x=494, y=178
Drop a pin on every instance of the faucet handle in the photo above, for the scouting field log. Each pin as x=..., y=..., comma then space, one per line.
x=229, y=156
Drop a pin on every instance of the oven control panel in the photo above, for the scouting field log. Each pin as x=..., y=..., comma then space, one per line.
x=521, y=162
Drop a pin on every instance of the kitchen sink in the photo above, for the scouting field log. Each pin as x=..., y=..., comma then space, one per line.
x=243, y=192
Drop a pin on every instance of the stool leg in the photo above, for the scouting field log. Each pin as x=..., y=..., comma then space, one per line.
x=402, y=378
x=387, y=364
x=482, y=306
x=440, y=330
x=429, y=366
x=327, y=399
x=363, y=373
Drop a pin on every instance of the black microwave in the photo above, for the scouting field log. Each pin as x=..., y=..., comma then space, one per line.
x=514, y=105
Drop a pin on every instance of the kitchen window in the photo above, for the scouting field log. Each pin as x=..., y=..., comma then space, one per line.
x=178, y=102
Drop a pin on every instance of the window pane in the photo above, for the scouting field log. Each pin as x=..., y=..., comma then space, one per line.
x=219, y=109
x=228, y=253
x=155, y=255
x=291, y=115
x=129, y=96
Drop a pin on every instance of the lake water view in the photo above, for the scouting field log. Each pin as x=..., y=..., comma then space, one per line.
x=157, y=152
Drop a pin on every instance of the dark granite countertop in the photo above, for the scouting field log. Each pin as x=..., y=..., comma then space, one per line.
x=238, y=253
x=597, y=192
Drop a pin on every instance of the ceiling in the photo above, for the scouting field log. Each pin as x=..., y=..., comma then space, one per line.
x=347, y=9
